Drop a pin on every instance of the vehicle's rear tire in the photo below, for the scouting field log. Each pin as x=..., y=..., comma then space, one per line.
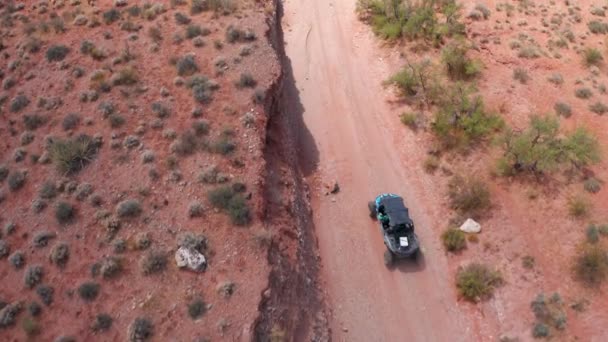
x=371, y=205
x=389, y=258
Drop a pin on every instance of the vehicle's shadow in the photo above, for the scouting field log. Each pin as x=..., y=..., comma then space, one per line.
x=410, y=265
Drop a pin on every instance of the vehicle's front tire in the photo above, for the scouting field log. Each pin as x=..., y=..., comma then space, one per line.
x=371, y=205
x=389, y=258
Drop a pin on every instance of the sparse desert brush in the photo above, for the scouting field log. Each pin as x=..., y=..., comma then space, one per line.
x=562, y=109
x=102, y=322
x=60, y=254
x=70, y=121
x=155, y=34
x=116, y=120
x=88, y=291
x=18, y=103
x=454, y=240
x=126, y=76
x=521, y=75
x=556, y=79
x=31, y=327
x=128, y=208
x=195, y=209
x=33, y=276
x=225, y=198
x=16, y=180
x=591, y=265
x=182, y=19
x=592, y=56
x=246, y=80
x=57, y=53
x=72, y=155
x=196, y=308
x=430, y=164
x=42, y=239
x=64, y=212
x=592, y=185
x=592, y=234
x=186, y=144
x=469, y=196
x=45, y=293
x=411, y=120
x=194, y=30
x=111, y=16
x=17, y=259
x=598, y=108
x=153, y=262
x=186, y=66
x=476, y=282
x=140, y=330
x=597, y=27
x=528, y=262
x=110, y=267
x=549, y=313
x=578, y=206
x=529, y=52
x=234, y=34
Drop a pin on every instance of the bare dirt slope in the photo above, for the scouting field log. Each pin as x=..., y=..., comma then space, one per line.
x=338, y=71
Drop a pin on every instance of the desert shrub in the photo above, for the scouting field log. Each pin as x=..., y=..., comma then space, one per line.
x=45, y=293
x=592, y=185
x=102, y=322
x=9, y=313
x=33, y=121
x=407, y=80
x=17, y=259
x=16, y=180
x=591, y=265
x=562, y=109
x=43, y=238
x=483, y=9
x=528, y=261
x=128, y=208
x=556, y=79
x=64, y=212
x=88, y=291
x=597, y=27
x=126, y=76
x=454, y=240
x=155, y=34
x=192, y=241
x=196, y=308
x=4, y=249
x=182, y=19
x=200, y=127
x=186, y=144
x=4, y=172
x=194, y=30
x=60, y=254
x=111, y=16
x=57, y=53
x=549, y=314
x=48, y=190
x=461, y=119
x=141, y=329
x=521, y=75
x=116, y=120
x=186, y=65
x=410, y=120
x=18, y=103
x=598, y=108
x=246, y=80
x=195, y=209
x=578, y=207
x=477, y=282
x=70, y=121
x=154, y=262
x=34, y=309
x=592, y=56
x=72, y=155
x=541, y=148
x=33, y=276
x=110, y=267
x=592, y=234
x=459, y=65
x=233, y=203
x=224, y=145
x=160, y=110
x=529, y=52
x=583, y=93
x=469, y=196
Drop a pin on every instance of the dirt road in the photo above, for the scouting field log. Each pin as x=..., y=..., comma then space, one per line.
x=338, y=73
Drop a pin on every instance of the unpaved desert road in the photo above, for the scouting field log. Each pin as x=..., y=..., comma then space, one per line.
x=338, y=75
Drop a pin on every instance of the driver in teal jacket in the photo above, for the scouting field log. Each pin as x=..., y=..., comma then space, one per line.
x=383, y=217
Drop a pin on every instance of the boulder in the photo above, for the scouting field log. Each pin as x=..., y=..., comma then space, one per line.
x=470, y=226
x=190, y=258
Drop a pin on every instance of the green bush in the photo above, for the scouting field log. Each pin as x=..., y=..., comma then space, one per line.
x=454, y=240
x=57, y=53
x=406, y=81
x=70, y=156
x=459, y=66
x=410, y=120
x=31, y=327
x=541, y=148
x=592, y=56
x=549, y=314
x=597, y=27
x=476, y=282
x=233, y=203
x=461, y=120
x=469, y=196
x=578, y=207
x=591, y=265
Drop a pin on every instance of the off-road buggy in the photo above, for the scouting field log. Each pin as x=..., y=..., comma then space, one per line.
x=397, y=229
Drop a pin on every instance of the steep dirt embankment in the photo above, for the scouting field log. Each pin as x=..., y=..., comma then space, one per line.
x=292, y=306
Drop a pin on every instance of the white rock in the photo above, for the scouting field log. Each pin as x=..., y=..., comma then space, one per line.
x=470, y=226
x=191, y=258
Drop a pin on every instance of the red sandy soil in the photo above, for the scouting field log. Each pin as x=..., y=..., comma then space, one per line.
x=118, y=174
x=338, y=67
